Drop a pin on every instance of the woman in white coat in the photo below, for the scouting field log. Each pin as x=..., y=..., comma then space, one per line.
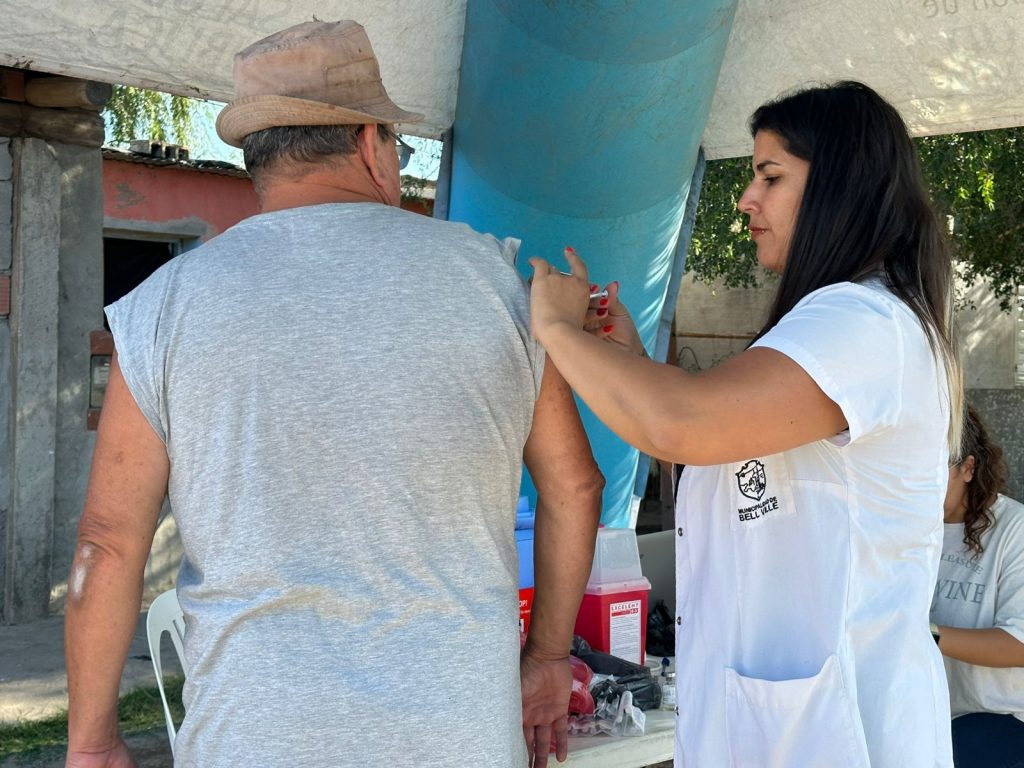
x=978, y=609
x=808, y=524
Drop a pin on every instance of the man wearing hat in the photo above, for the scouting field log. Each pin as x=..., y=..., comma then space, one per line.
x=337, y=397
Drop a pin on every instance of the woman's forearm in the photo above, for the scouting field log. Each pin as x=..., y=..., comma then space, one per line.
x=991, y=647
x=633, y=396
x=758, y=403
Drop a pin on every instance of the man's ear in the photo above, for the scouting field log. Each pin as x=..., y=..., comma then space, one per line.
x=369, y=153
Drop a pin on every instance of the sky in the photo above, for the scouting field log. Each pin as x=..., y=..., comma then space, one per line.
x=426, y=161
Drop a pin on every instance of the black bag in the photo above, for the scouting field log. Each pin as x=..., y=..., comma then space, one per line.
x=661, y=632
x=628, y=676
x=602, y=663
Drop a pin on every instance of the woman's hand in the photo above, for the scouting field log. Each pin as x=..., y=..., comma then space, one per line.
x=556, y=297
x=609, y=319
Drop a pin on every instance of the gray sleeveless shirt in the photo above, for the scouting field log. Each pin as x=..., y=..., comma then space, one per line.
x=344, y=392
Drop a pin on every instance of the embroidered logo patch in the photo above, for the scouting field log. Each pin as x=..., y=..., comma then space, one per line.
x=752, y=480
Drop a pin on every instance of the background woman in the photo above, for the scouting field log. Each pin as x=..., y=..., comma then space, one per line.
x=979, y=606
x=807, y=520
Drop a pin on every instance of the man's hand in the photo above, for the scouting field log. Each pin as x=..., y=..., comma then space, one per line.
x=116, y=756
x=546, y=687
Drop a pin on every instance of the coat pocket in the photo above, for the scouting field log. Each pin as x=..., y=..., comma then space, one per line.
x=801, y=723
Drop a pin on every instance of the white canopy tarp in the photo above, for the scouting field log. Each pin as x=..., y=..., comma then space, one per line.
x=187, y=46
x=949, y=65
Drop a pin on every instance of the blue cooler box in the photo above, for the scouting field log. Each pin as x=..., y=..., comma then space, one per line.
x=524, y=542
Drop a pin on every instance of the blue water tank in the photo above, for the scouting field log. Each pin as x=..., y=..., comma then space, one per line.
x=579, y=124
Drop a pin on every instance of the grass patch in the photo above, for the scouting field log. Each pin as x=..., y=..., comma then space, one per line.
x=137, y=711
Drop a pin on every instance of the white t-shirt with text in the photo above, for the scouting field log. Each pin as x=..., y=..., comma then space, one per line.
x=983, y=592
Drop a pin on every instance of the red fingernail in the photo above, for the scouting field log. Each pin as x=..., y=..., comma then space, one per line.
x=602, y=312
x=608, y=328
x=593, y=288
x=570, y=249
x=603, y=302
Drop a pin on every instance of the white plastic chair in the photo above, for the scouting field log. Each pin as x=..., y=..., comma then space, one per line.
x=165, y=616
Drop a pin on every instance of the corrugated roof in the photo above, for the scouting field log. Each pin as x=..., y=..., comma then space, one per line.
x=218, y=167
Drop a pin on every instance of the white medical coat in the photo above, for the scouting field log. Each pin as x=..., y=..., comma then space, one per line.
x=804, y=579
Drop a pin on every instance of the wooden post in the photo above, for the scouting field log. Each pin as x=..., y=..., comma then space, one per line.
x=12, y=84
x=70, y=126
x=64, y=92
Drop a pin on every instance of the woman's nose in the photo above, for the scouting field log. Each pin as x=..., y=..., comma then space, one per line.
x=747, y=204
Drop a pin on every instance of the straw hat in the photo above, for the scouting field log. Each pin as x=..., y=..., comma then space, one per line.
x=315, y=73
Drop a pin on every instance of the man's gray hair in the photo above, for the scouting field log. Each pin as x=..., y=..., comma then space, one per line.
x=301, y=144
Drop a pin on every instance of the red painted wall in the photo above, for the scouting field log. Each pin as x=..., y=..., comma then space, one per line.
x=154, y=193
x=134, y=191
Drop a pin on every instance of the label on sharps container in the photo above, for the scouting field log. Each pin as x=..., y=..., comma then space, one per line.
x=624, y=630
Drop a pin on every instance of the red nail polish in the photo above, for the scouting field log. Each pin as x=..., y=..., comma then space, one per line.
x=602, y=312
x=593, y=287
x=603, y=302
x=570, y=249
x=608, y=328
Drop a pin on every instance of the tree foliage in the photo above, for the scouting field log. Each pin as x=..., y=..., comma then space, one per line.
x=137, y=113
x=720, y=248
x=975, y=182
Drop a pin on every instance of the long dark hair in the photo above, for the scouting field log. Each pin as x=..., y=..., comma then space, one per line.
x=988, y=482
x=865, y=211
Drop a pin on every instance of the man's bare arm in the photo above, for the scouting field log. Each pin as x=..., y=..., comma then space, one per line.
x=569, y=487
x=126, y=489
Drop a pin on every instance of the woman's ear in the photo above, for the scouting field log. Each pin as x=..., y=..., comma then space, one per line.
x=967, y=467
